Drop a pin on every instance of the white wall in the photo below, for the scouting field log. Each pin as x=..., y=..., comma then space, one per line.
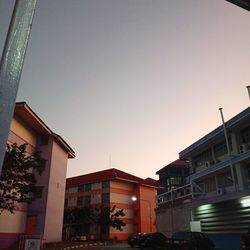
x=56, y=194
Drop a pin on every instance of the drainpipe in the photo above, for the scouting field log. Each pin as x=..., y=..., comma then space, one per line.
x=11, y=65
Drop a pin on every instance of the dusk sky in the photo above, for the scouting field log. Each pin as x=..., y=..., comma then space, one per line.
x=131, y=83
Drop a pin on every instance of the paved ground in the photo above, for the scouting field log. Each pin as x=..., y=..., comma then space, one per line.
x=99, y=246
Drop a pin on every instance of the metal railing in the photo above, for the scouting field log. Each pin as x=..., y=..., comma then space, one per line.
x=175, y=194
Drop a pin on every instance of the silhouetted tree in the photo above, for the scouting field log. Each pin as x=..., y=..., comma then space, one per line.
x=103, y=216
x=18, y=177
x=115, y=220
x=78, y=215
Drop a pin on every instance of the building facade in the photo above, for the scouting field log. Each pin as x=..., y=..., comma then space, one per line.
x=220, y=177
x=174, y=198
x=219, y=180
x=114, y=187
x=173, y=176
x=44, y=216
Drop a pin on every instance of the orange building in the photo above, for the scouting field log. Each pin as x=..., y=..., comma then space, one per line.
x=114, y=187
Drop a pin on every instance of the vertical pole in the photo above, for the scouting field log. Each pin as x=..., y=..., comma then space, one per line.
x=248, y=89
x=172, y=211
x=228, y=149
x=11, y=65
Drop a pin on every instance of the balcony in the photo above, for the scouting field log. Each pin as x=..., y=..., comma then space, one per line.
x=212, y=169
x=180, y=195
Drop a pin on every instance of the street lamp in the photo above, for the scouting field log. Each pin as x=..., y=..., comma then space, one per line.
x=134, y=198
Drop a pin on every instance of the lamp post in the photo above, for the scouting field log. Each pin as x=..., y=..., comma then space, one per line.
x=134, y=198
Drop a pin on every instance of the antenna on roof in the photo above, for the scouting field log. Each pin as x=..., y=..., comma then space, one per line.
x=109, y=161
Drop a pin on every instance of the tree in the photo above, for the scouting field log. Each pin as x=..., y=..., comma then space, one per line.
x=103, y=216
x=18, y=178
x=77, y=215
x=115, y=220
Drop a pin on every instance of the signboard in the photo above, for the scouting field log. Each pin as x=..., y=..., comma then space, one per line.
x=32, y=244
x=195, y=226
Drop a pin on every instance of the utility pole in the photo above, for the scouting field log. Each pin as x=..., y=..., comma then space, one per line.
x=11, y=65
x=248, y=89
x=228, y=150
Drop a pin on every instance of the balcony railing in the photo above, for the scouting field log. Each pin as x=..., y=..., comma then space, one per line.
x=180, y=193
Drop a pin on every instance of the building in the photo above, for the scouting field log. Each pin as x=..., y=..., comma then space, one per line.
x=114, y=187
x=219, y=179
x=174, y=198
x=44, y=216
x=173, y=176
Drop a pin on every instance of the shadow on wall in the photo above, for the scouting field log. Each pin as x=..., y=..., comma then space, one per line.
x=226, y=241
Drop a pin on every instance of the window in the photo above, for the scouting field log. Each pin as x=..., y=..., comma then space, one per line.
x=105, y=198
x=177, y=181
x=87, y=200
x=245, y=135
x=87, y=187
x=105, y=184
x=79, y=201
x=200, y=159
x=221, y=148
x=84, y=187
x=83, y=200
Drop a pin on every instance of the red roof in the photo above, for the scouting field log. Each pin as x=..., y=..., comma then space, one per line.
x=177, y=163
x=109, y=174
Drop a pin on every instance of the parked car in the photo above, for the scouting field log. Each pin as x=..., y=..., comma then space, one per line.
x=190, y=241
x=152, y=240
x=245, y=240
x=135, y=239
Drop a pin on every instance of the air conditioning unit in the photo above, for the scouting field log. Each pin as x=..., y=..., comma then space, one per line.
x=242, y=148
x=160, y=200
x=220, y=191
x=213, y=162
x=207, y=164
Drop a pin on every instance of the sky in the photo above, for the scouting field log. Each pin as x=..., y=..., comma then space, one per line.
x=131, y=83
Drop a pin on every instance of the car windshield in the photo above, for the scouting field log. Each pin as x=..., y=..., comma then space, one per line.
x=147, y=234
x=182, y=235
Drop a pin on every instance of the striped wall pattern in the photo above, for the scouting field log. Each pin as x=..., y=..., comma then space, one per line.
x=224, y=217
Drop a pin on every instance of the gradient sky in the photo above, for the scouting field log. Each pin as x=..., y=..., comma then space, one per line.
x=131, y=83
